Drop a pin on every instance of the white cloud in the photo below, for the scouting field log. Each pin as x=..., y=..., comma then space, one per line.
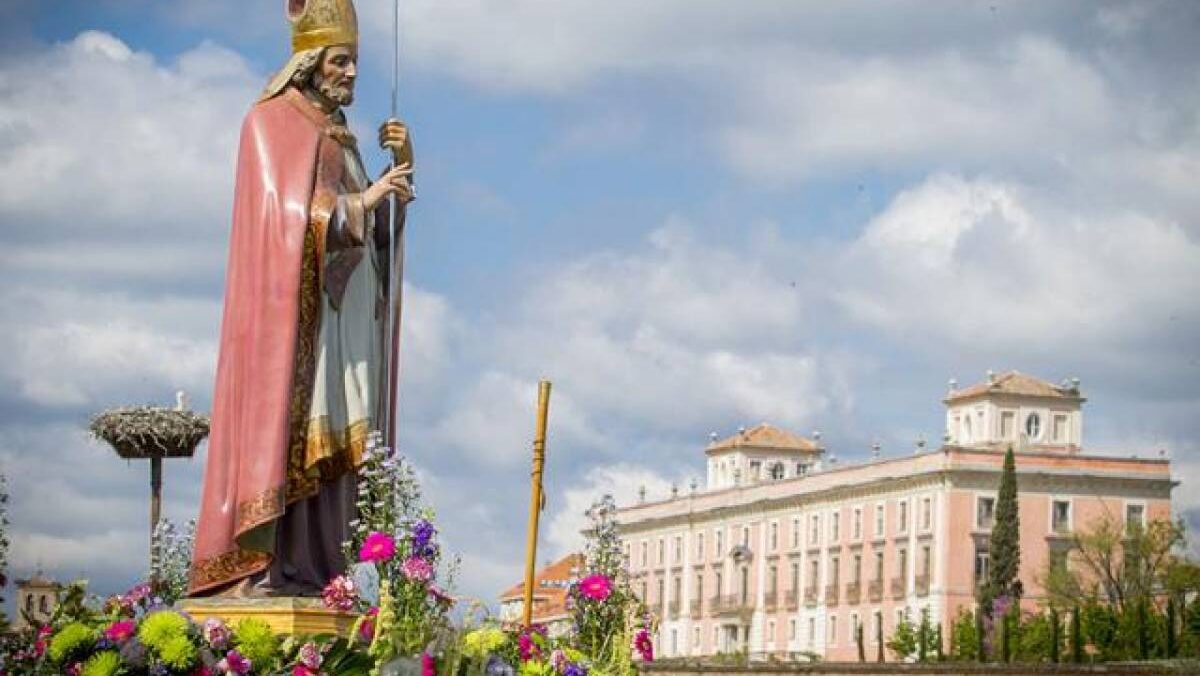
x=990, y=266
x=623, y=481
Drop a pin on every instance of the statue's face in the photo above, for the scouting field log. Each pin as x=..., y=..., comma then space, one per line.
x=334, y=77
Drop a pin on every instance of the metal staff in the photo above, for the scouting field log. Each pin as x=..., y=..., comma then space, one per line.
x=391, y=358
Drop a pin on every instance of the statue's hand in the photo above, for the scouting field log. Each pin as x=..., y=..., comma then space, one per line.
x=394, y=180
x=394, y=136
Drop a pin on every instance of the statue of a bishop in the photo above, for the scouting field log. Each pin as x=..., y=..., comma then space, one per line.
x=300, y=372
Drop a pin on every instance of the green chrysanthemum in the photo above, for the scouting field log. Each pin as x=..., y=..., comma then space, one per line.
x=482, y=642
x=256, y=641
x=105, y=663
x=160, y=627
x=71, y=640
x=178, y=653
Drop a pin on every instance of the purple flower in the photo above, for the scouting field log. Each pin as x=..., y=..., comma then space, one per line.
x=422, y=537
x=234, y=663
x=417, y=568
x=574, y=669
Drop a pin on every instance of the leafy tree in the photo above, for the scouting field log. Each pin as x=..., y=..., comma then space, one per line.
x=904, y=639
x=964, y=637
x=1122, y=565
x=1055, y=635
x=1005, y=548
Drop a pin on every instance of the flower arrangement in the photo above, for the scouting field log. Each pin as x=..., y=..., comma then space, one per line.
x=170, y=559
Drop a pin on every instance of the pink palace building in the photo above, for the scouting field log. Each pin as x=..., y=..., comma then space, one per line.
x=785, y=551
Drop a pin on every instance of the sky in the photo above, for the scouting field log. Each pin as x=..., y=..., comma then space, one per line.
x=690, y=215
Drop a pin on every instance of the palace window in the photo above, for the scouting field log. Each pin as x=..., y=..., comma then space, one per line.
x=777, y=471
x=1061, y=516
x=745, y=536
x=771, y=631
x=814, y=529
x=1008, y=421
x=678, y=549
x=720, y=546
x=1135, y=516
x=985, y=512
x=699, y=546
x=833, y=630
x=795, y=532
x=902, y=517
x=926, y=513
x=981, y=565
x=796, y=578
x=791, y=630
x=774, y=535
x=879, y=520
x=662, y=551
x=772, y=579
x=856, y=525
x=902, y=564
x=644, y=549
x=856, y=571
x=834, y=566
x=879, y=565
x=1033, y=426
x=835, y=525
x=1060, y=428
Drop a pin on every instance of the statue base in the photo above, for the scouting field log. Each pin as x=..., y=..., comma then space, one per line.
x=286, y=614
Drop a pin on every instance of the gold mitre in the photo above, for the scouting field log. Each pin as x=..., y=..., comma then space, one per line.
x=322, y=23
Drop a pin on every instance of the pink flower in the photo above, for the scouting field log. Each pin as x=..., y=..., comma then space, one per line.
x=644, y=645
x=234, y=663
x=310, y=656
x=417, y=568
x=427, y=666
x=119, y=632
x=377, y=547
x=527, y=647
x=301, y=670
x=216, y=633
x=366, y=630
x=75, y=669
x=340, y=594
x=596, y=587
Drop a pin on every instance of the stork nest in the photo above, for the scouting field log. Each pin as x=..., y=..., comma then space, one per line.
x=150, y=431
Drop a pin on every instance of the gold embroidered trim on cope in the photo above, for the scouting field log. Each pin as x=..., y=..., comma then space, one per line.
x=222, y=568
x=264, y=507
x=335, y=452
x=300, y=483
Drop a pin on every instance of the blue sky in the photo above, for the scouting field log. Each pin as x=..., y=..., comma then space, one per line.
x=689, y=215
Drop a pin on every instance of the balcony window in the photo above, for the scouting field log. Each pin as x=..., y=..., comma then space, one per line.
x=856, y=527
x=795, y=578
x=772, y=579
x=678, y=549
x=835, y=526
x=777, y=471
x=1033, y=426
x=833, y=630
x=795, y=533
x=662, y=550
x=1061, y=516
x=902, y=563
x=878, y=565
x=856, y=574
x=879, y=521
x=926, y=513
x=814, y=529
x=834, y=565
x=985, y=513
x=902, y=517
x=774, y=536
x=791, y=630
x=645, y=549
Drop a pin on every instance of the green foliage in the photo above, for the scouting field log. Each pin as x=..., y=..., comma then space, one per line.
x=160, y=627
x=483, y=641
x=1076, y=636
x=903, y=643
x=256, y=640
x=171, y=559
x=1004, y=548
x=103, y=663
x=72, y=640
x=1036, y=638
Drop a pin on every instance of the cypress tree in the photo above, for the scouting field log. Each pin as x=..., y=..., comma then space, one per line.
x=1005, y=547
x=980, y=650
x=937, y=646
x=922, y=637
x=1170, y=627
x=1005, y=638
x=1142, y=624
x=879, y=639
x=1054, y=637
x=1076, y=637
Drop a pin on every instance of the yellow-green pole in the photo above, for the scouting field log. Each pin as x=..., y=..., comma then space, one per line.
x=535, y=496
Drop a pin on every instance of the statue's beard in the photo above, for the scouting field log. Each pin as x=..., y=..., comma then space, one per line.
x=342, y=95
x=336, y=93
